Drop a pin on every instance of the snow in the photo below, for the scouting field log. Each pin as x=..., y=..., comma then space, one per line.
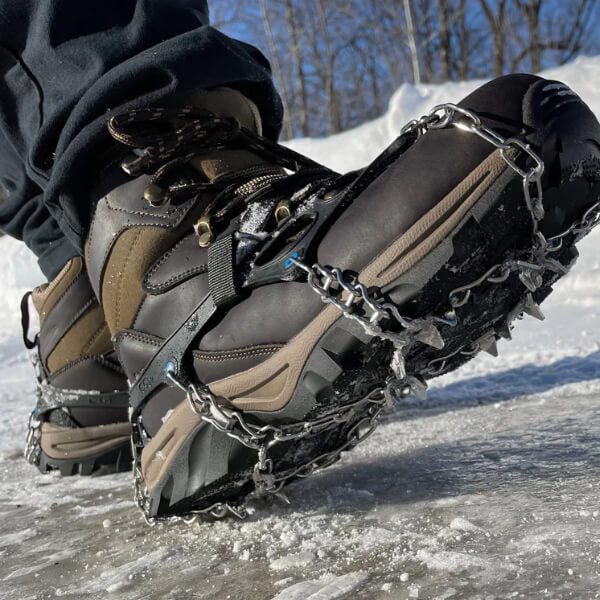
x=486, y=489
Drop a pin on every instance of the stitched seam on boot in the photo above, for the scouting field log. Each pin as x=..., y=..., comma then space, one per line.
x=87, y=306
x=152, y=340
x=220, y=356
x=175, y=278
x=99, y=359
x=140, y=213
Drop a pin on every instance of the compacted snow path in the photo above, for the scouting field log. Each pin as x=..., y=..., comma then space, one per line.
x=486, y=490
x=494, y=501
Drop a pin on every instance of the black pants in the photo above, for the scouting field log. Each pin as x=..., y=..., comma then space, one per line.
x=65, y=65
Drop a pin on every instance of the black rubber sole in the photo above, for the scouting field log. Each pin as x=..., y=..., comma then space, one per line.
x=116, y=460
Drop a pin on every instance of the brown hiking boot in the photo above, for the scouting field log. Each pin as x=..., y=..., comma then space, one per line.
x=261, y=302
x=80, y=422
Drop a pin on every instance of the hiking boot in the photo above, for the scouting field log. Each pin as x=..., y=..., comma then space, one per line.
x=266, y=309
x=80, y=422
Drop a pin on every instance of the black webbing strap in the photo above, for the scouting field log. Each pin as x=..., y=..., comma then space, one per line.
x=172, y=351
x=221, y=271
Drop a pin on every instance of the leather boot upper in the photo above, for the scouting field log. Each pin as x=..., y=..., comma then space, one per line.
x=75, y=348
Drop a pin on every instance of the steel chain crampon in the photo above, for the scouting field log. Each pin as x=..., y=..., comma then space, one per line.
x=32, y=451
x=33, y=447
x=359, y=304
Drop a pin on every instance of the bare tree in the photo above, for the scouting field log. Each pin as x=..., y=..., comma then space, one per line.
x=463, y=41
x=298, y=65
x=445, y=49
x=412, y=41
x=336, y=62
x=287, y=124
x=496, y=19
x=335, y=123
x=531, y=11
x=565, y=35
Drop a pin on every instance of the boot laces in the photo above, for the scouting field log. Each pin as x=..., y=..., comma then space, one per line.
x=166, y=140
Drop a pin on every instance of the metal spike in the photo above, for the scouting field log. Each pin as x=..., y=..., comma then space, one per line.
x=398, y=366
x=505, y=332
x=418, y=387
x=283, y=497
x=490, y=346
x=430, y=336
x=551, y=264
x=390, y=397
x=532, y=308
x=532, y=280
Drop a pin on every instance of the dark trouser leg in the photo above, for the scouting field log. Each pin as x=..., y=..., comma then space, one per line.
x=65, y=66
x=24, y=215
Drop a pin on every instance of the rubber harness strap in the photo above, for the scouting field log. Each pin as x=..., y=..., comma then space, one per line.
x=170, y=355
x=50, y=398
x=222, y=281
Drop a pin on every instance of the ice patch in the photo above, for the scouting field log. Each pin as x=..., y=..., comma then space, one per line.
x=445, y=560
x=328, y=587
x=293, y=561
x=460, y=524
x=18, y=537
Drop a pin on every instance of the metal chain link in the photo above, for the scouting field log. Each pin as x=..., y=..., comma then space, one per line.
x=33, y=449
x=361, y=305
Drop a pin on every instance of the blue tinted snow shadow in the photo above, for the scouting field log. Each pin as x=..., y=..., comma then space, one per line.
x=513, y=383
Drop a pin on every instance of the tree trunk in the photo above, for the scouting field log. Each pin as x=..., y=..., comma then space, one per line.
x=532, y=14
x=444, y=40
x=335, y=119
x=300, y=79
x=288, y=131
x=463, y=70
x=412, y=41
x=497, y=27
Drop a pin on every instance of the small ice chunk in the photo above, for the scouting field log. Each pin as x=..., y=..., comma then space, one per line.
x=300, y=559
x=460, y=524
x=328, y=587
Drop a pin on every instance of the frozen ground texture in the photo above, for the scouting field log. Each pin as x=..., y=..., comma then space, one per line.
x=488, y=490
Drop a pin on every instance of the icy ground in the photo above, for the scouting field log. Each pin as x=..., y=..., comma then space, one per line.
x=488, y=490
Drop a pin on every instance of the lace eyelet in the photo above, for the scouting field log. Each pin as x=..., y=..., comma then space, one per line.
x=204, y=231
x=155, y=195
x=282, y=212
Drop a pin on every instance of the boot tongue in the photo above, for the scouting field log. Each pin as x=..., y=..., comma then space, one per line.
x=228, y=102
x=226, y=162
